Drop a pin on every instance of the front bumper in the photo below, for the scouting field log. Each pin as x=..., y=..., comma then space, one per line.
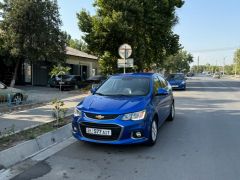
x=123, y=135
x=178, y=86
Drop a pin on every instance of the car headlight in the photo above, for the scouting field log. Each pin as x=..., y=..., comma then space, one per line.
x=77, y=113
x=183, y=82
x=135, y=116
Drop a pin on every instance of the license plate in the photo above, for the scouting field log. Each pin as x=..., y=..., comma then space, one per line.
x=174, y=85
x=102, y=132
x=61, y=83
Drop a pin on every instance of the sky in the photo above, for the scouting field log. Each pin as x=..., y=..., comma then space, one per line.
x=208, y=29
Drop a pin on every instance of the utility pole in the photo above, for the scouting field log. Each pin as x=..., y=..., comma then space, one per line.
x=198, y=65
x=224, y=66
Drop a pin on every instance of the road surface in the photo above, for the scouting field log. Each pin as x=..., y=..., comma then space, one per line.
x=202, y=143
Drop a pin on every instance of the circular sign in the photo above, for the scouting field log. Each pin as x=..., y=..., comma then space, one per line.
x=125, y=51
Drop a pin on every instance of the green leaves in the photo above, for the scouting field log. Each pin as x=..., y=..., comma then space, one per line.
x=31, y=30
x=59, y=70
x=145, y=25
x=179, y=62
x=237, y=57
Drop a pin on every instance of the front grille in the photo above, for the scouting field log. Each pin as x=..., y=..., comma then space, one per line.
x=101, y=116
x=116, y=130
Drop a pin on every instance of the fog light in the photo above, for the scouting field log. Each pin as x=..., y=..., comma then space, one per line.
x=137, y=134
x=75, y=128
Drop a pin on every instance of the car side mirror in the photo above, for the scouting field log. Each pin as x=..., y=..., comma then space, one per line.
x=162, y=92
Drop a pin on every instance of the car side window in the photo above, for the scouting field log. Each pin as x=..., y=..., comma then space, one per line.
x=164, y=84
x=156, y=84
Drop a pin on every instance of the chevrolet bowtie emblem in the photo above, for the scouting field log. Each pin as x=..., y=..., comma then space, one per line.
x=99, y=117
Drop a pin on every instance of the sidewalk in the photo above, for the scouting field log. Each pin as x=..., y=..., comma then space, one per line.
x=18, y=121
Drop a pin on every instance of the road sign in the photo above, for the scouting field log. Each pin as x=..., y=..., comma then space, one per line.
x=125, y=51
x=125, y=63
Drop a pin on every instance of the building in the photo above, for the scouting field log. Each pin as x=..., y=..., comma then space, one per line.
x=37, y=74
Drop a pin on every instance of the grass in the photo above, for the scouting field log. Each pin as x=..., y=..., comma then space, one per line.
x=14, y=139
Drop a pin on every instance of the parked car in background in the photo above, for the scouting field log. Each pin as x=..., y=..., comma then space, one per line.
x=177, y=81
x=217, y=75
x=190, y=74
x=14, y=95
x=95, y=81
x=66, y=81
x=125, y=109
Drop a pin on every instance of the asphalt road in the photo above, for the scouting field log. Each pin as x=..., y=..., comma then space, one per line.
x=201, y=144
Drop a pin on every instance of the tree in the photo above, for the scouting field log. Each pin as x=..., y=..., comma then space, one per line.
x=31, y=31
x=77, y=44
x=145, y=25
x=237, y=61
x=179, y=62
x=59, y=71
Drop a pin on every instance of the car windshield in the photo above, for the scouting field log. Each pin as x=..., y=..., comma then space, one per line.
x=175, y=77
x=126, y=86
x=66, y=76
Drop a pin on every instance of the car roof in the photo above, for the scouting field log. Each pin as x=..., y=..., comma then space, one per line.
x=136, y=74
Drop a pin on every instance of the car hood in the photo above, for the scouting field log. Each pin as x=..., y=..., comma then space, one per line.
x=113, y=105
x=15, y=90
x=175, y=81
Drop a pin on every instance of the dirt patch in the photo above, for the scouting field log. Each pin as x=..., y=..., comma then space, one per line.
x=14, y=139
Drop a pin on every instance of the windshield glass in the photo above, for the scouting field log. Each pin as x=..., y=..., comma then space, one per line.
x=176, y=77
x=127, y=86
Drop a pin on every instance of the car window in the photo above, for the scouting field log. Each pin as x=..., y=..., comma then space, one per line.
x=164, y=83
x=156, y=84
x=176, y=77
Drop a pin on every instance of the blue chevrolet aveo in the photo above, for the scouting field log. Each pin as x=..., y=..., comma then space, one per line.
x=177, y=81
x=125, y=109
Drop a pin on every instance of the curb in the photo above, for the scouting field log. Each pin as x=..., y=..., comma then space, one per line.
x=32, y=126
x=26, y=149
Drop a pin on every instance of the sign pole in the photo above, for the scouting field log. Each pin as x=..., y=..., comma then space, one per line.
x=125, y=51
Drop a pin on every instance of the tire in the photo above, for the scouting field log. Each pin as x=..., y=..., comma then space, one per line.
x=171, y=115
x=17, y=99
x=153, y=133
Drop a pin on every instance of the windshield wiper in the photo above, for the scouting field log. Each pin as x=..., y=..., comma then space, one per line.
x=120, y=95
x=100, y=94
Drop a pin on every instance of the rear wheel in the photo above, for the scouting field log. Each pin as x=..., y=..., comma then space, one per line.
x=153, y=133
x=172, y=113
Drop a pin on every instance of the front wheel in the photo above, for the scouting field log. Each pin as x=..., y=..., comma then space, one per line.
x=153, y=133
x=172, y=113
x=17, y=99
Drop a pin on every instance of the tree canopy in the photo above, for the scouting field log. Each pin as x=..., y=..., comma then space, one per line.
x=30, y=30
x=179, y=62
x=77, y=44
x=144, y=24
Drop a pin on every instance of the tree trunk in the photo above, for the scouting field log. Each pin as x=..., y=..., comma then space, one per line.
x=15, y=73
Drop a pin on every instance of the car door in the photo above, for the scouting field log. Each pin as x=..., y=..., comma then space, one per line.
x=166, y=99
x=158, y=101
